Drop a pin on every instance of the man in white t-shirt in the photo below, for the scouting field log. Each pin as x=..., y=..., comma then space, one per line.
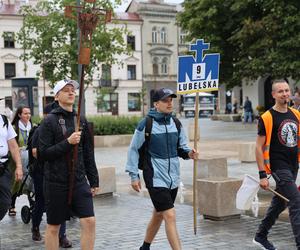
x=7, y=143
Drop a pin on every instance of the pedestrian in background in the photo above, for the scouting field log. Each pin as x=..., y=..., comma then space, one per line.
x=248, y=111
x=161, y=174
x=22, y=126
x=235, y=107
x=296, y=101
x=277, y=154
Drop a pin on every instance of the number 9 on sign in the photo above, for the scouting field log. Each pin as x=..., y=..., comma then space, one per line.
x=198, y=71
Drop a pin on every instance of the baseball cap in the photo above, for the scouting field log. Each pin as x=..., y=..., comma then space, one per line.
x=62, y=83
x=163, y=93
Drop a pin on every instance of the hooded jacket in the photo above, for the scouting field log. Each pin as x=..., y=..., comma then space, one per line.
x=166, y=144
x=54, y=149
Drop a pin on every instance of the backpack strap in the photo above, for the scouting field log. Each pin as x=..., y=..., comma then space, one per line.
x=178, y=127
x=177, y=123
x=148, y=128
x=62, y=123
x=5, y=121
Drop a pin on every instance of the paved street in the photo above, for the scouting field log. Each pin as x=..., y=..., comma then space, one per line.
x=121, y=222
x=121, y=219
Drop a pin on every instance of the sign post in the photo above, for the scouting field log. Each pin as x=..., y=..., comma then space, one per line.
x=197, y=74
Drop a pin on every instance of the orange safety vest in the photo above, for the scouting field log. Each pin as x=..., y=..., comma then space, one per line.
x=268, y=122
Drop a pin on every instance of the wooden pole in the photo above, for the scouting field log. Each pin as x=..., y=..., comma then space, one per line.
x=195, y=162
x=278, y=194
x=44, y=86
x=75, y=150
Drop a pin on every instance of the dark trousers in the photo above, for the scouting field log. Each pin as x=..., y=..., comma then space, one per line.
x=5, y=194
x=39, y=205
x=285, y=185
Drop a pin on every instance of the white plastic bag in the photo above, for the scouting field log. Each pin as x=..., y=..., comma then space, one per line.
x=246, y=193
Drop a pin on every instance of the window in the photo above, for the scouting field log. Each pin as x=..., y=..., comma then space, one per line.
x=105, y=80
x=134, y=102
x=9, y=70
x=154, y=35
x=182, y=38
x=108, y=103
x=9, y=39
x=155, y=66
x=131, y=72
x=164, y=66
x=131, y=42
x=163, y=35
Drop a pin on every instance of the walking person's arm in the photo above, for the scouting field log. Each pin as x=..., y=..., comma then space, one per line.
x=260, y=142
x=15, y=153
x=89, y=158
x=133, y=156
x=184, y=151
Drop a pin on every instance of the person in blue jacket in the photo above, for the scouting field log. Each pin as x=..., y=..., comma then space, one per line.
x=162, y=174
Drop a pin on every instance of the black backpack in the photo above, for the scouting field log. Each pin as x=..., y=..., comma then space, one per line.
x=5, y=121
x=143, y=150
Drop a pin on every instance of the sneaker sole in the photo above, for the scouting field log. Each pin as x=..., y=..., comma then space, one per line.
x=260, y=245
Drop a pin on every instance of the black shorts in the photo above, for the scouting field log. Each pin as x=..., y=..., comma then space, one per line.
x=56, y=202
x=5, y=194
x=162, y=198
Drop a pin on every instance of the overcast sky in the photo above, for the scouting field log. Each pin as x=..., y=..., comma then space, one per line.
x=125, y=3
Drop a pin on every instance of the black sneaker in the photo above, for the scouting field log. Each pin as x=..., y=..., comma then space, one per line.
x=64, y=242
x=263, y=243
x=36, y=236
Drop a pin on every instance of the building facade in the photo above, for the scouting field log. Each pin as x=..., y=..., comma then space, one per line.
x=160, y=45
x=119, y=86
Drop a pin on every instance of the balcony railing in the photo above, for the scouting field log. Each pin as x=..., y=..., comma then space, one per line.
x=109, y=83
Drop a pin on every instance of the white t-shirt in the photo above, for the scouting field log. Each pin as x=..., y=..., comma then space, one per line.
x=6, y=134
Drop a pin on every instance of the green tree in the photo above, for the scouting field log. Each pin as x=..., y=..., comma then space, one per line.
x=255, y=37
x=51, y=40
x=268, y=40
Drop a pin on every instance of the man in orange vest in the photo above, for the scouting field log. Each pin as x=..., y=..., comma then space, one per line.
x=277, y=153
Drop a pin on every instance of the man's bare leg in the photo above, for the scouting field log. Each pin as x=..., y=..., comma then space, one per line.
x=169, y=217
x=153, y=226
x=88, y=226
x=51, y=237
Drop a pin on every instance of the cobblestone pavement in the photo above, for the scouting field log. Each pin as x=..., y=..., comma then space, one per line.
x=121, y=223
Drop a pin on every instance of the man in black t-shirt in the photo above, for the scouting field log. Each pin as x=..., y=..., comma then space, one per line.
x=277, y=153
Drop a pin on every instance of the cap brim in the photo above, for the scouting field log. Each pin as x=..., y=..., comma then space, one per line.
x=168, y=95
x=74, y=83
x=2, y=99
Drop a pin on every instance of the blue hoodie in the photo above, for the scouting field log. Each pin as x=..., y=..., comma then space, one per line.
x=163, y=150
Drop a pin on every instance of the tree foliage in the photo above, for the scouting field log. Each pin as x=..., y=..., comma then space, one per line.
x=255, y=37
x=50, y=39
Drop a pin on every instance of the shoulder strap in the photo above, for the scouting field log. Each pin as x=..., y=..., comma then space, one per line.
x=177, y=123
x=62, y=123
x=5, y=121
x=148, y=128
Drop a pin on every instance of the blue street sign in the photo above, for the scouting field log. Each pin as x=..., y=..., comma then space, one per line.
x=199, y=73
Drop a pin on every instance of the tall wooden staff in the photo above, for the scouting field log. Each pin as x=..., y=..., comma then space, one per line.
x=88, y=18
x=195, y=162
x=197, y=74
